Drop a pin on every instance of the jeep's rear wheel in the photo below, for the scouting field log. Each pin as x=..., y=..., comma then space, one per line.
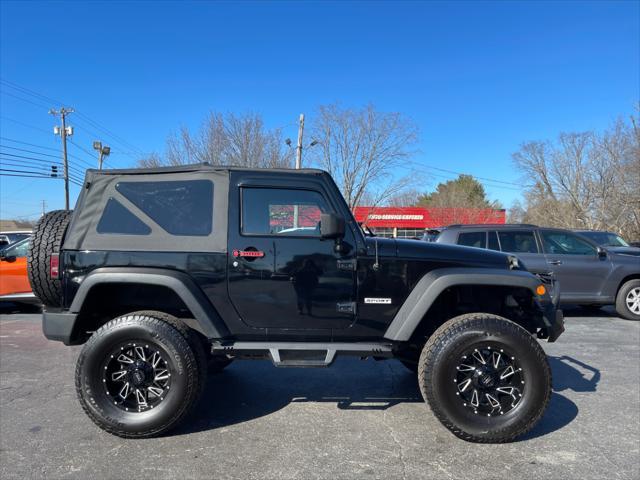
x=137, y=376
x=45, y=241
x=485, y=378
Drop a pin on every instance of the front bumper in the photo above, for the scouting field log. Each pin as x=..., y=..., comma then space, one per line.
x=58, y=326
x=552, y=316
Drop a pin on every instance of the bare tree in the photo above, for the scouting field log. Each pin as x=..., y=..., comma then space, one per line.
x=364, y=150
x=226, y=139
x=406, y=198
x=584, y=180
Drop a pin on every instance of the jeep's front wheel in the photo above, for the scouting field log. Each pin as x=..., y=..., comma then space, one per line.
x=485, y=378
x=137, y=376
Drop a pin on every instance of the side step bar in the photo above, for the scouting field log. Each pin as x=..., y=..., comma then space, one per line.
x=303, y=354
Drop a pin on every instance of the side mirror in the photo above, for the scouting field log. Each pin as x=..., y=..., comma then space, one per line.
x=331, y=226
x=602, y=253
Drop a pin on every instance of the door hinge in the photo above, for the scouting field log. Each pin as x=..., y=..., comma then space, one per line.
x=346, y=307
x=347, y=265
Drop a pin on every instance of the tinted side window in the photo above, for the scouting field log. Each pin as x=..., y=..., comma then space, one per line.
x=518, y=241
x=493, y=241
x=117, y=219
x=473, y=239
x=179, y=207
x=277, y=211
x=561, y=243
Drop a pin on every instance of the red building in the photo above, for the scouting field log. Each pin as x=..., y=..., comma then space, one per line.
x=411, y=222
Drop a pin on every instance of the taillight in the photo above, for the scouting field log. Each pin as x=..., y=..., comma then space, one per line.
x=54, y=265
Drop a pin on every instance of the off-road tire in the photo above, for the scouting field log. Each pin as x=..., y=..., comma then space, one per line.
x=621, y=305
x=437, y=369
x=181, y=360
x=46, y=239
x=197, y=342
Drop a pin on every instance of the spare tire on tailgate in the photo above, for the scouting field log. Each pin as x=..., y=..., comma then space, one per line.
x=47, y=239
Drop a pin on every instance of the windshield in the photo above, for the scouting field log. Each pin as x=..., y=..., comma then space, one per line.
x=18, y=249
x=606, y=239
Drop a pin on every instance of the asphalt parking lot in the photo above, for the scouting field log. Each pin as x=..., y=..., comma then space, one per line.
x=358, y=419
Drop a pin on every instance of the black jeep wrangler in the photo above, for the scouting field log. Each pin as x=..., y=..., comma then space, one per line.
x=168, y=273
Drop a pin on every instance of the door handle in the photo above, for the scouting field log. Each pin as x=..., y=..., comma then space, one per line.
x=555, y=262
x=250, y=252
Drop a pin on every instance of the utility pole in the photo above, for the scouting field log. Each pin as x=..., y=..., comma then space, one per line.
x=296, y=208
x=64, y=131
x=44, y=207
x=299, y=149
x=102, y=152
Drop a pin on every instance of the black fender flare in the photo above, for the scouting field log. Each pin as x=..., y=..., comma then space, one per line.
x=435, y=282
x=206, y=319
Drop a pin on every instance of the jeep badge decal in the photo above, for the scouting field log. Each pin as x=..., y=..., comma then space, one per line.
x=380, y=301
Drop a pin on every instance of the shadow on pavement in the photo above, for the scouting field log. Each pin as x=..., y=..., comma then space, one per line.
x=252, y=389
x=7, y=308
x=567, y=377
x=589, y=312
x=562, y=411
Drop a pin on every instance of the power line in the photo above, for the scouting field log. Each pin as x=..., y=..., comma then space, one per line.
x=25, y=163
x=136, y=150
x=45, y=148
x=22, y=171
x=34, y=174
x=43, y=160
x=71, y=141
x=29, y=151
x=23, y=99
x=19, y=163
x=32, y=160
x=24, y=124
x=26, y=176
x=86, y=118
x=29, y=91
x=27, y=143
x=29, y=158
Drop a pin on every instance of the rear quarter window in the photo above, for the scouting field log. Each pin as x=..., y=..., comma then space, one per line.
x=518, y=241
x=179, y=207
x=473, y=239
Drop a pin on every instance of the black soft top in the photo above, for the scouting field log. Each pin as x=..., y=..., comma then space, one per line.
x=200, y=167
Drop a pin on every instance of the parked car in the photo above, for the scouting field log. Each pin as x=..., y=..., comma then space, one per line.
x=166, y=273
x=431, y=234
x=588, y=274
x=14, y=281
x=9, y=238
x=611, y=241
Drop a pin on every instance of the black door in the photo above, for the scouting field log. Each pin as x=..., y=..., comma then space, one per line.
x=282, y=275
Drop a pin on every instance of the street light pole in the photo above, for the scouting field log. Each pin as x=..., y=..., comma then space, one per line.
x=102, y=152
x=299, y=149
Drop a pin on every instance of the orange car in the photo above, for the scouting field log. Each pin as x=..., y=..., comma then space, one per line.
x=14, y=283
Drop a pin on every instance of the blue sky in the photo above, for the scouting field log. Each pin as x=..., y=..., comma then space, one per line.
x=478, y=78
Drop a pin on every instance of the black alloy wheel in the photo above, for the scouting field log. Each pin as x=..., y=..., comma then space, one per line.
x=485, y=378
x=489, y=380
x=138, y=376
